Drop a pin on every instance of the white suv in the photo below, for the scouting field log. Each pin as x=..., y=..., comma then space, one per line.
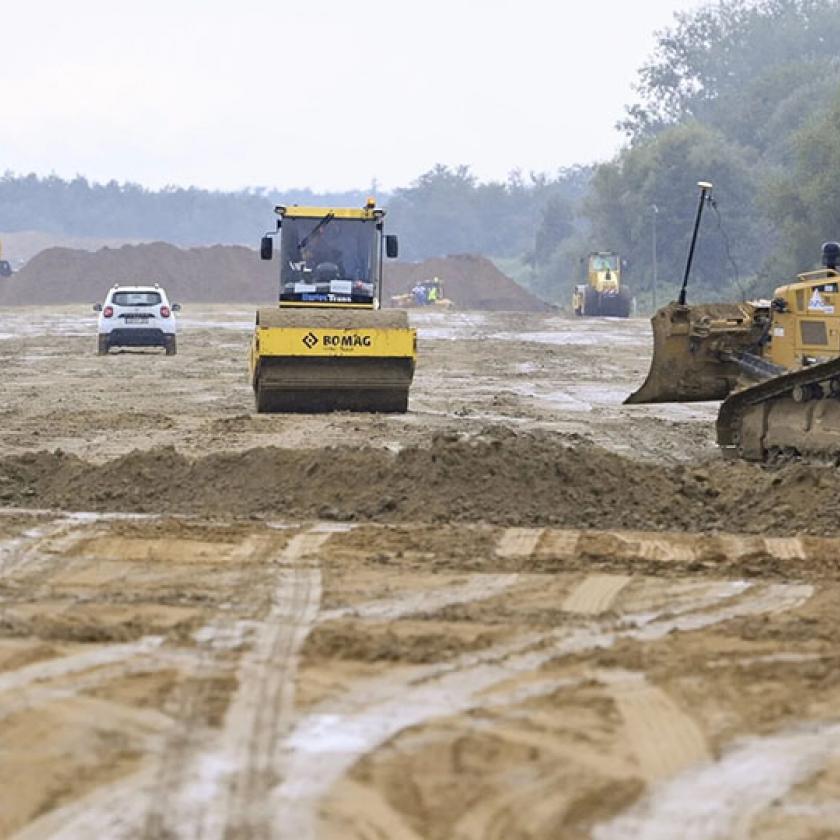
x=136, y=316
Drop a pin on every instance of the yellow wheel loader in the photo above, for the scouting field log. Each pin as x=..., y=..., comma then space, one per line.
x=775, y=364
x=328, y=346
x=603, y=293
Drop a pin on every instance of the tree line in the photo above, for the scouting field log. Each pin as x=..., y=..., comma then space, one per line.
x=744, y=93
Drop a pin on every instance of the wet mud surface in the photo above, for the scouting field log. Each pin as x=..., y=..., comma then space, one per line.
x=520, y=611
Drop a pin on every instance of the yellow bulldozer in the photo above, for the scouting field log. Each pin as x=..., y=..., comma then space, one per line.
x=774, y=363
x=427, y=293
x=328, y=346
x=603, y=293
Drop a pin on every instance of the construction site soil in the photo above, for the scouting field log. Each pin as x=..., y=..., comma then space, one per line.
x=521, y=610
x=232, y=273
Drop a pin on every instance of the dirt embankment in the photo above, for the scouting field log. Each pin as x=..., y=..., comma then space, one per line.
x=20, y=246
x=500, y=477
x=234, y=274
x=221, y=273
x=469, y=281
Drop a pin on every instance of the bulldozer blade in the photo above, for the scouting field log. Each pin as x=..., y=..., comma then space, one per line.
x=694, y=350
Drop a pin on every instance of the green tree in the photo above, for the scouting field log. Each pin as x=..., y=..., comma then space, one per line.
x=804, y=204
x=663, y=172
x=703, y=66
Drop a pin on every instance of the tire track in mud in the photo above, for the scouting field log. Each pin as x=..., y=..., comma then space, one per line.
x=518, y=542
x=365, y=813
x=595, y=594
x=262, y=710
x=114, y=811
x=664, y=739
x=145, y=803
x=223, y=791
x=66, y=676
x=527, y=811
x=21, y=553
x=720, y=800
x=326, y=743
x=478, y=587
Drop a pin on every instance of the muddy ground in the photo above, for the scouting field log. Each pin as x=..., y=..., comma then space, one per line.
x=520, y=611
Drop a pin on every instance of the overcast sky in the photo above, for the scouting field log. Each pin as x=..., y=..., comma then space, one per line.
x=328, y=94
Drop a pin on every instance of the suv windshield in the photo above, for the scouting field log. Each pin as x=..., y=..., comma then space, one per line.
x=136, y=298
x=328, y=259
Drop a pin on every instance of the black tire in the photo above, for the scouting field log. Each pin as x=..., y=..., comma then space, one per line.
x=102, y=345
x=5, y=269
x=591, y=302
x=171, y=346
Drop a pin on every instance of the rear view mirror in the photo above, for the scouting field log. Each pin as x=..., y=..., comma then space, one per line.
x=392, y=247
x=176, y=307
x=97, y=307
x=266, y=248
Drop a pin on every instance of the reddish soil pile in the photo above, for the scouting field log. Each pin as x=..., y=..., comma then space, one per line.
x=233, y=274
x=469, y=281
x=219, y=274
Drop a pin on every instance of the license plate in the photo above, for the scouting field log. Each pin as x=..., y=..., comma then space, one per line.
x=136, y=319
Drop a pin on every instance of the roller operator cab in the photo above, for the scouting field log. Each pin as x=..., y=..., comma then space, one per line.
x=328, y=346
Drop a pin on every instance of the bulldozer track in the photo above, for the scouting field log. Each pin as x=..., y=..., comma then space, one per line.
x=734, y=406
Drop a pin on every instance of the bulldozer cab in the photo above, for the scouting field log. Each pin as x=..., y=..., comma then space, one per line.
x=806, y=320
x=331, y=257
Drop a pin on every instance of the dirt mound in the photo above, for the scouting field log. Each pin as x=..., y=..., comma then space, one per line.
x=22, y=245
x=499, y=477
x=470, y=281
x=233, y=274
x=220, y=274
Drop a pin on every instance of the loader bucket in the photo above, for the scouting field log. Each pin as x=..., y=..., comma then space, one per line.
x=692, y=352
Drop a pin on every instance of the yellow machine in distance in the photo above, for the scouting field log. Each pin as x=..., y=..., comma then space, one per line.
x=603, y=293
x=427, y=293
x=328, y=347
x=775, y=364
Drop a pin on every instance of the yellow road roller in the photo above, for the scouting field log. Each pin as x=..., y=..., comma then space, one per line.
x=328, y=346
